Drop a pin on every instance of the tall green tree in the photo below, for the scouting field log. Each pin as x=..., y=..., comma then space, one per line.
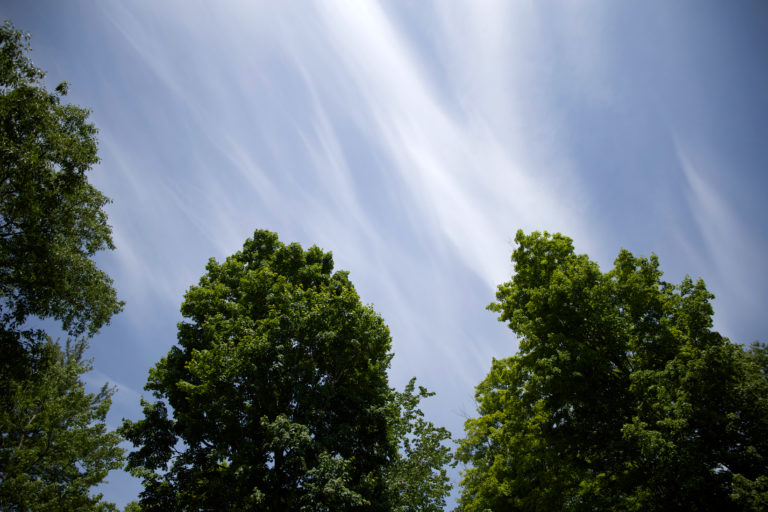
x=276, y=397
x=53, y=444
x=621, y=396
x=277, y=388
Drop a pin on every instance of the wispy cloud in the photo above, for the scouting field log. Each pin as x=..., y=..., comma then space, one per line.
x=342, y=137
x=728, y=252
x=455, y=166
x=124, y=399
x=457, y=150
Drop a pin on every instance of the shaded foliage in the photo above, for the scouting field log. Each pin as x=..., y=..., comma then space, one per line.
x=276, y=395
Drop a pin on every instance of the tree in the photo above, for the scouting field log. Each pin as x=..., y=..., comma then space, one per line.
x=416, y=477
x=278, y=390
x=51, y=219
x=53, y=445
x=279, y=398
x=621, y=396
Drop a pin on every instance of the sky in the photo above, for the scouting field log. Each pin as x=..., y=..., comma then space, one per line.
x=413, y=139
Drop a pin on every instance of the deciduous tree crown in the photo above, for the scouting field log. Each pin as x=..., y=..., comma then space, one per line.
x=621, y=396
x=52, y=220
x=277, y=391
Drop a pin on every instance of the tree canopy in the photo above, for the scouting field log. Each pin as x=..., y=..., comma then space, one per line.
x=620, y=397
x=277, y=392
x=52, y=219
x=54, y=446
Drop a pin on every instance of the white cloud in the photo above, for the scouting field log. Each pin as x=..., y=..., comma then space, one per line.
x=451, y=158
x=729, y=256
x=457, y=169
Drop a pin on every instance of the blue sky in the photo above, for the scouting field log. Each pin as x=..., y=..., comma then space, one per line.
x=413, y=139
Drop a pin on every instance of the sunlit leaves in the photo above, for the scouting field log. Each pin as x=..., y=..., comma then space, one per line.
x=621, y=397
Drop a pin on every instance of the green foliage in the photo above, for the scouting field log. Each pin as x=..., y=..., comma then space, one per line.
x=279, y=398
x=51, y=219
x=132, y=506
x=278, y=391
x=416, y=476
x=621, y=397
x=55, y=445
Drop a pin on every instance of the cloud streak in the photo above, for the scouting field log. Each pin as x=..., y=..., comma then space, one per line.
x=327, y=126
x=728, y=254
x=458, y=172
